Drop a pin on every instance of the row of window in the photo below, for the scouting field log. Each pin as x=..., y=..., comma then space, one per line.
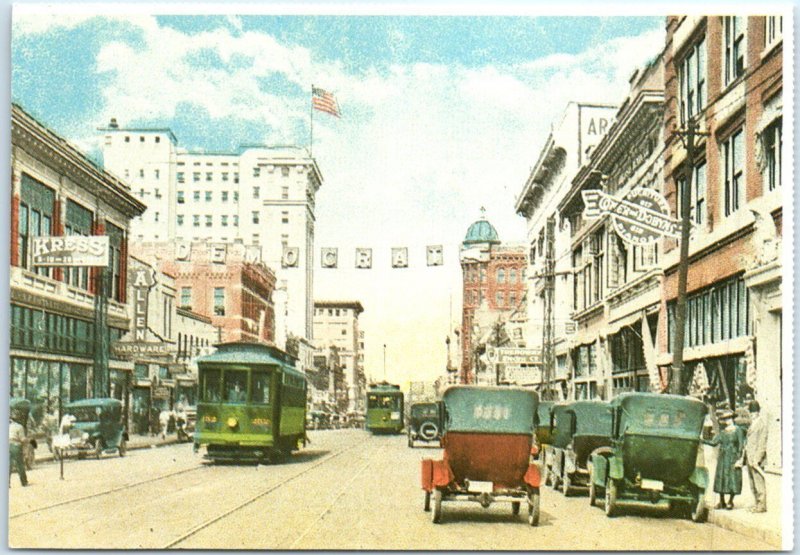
x=500, y=298
x=502, y=275
x=223, y=195
x=693, y=69
x=218, y=299
x=332, y=311
x=224, y=219
x=209, y=176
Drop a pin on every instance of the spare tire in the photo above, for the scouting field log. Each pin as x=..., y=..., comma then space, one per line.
x=428, y=431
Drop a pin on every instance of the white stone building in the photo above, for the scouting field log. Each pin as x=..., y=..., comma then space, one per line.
x=259, y=195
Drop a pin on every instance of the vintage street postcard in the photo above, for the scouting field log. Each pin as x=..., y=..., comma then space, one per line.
x=368, y=277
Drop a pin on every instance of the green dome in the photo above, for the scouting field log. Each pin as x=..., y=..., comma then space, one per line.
x=481, y=232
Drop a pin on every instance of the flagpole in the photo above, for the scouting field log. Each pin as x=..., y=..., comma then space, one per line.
x=311, y=135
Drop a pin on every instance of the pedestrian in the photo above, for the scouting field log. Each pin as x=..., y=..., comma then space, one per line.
x=728, y=477
x=16, y=439
x=163, y=419
x=756, y=455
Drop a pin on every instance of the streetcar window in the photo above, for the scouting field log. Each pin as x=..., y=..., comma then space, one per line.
x=211, y=386
x=235, y=386
x=259, y=387
x=372, y=402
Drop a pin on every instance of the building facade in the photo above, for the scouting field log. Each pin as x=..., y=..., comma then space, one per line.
x=550, y=258
x=336, y=327
x=220, y=281
x=261, y=196
x=56, y=340
x=725, y=74
x=616, y=285
x=493, y=278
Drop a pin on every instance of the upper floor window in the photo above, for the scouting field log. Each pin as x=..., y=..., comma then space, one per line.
x=208, y=220
x=512, y=275
x=733, y=36
x=219, y=301
x=774, y=29
x=180, y=219
x=208, y=176
x=256, y=192
x=180, y=197
x=733, y=162
x=697, y=196
x=157, y=174
x=224, y=196
x=773, y=143
x=196, y=195
x=224, y=176
x=196, y=176
x=208, y=196
x=692, y=81
x=181, y=177
x=501, y=275
x=186, y=298
x=284, y=193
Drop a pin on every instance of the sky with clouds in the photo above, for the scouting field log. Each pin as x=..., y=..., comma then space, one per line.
x=441, y=116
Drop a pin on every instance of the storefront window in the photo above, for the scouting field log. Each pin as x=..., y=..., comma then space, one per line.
x=140, y=371
x=79, y=382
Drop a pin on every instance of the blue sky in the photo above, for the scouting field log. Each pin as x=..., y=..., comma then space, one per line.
x=441, y=115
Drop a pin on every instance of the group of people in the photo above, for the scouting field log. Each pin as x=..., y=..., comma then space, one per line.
x=739, y=448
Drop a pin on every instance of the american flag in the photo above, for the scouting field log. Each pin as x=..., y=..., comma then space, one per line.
x=324, y=101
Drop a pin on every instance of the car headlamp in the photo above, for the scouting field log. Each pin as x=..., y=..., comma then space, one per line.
x=232, y=422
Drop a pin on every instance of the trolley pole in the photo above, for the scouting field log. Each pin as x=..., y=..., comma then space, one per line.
x=384, y=362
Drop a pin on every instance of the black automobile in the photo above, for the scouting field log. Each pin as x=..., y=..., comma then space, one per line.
x=425, y=422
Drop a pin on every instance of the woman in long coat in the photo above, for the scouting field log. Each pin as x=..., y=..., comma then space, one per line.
x=728, y=477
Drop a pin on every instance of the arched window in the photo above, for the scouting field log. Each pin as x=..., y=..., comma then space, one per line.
x=501, y=275
x=512, y=276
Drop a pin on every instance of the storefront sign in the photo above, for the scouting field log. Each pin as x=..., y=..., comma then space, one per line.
x=640, y=218
x=72, y=250
x=153, y=348
x=510, y=355
x=161, y=392
x=142, y=279
x=521, y=375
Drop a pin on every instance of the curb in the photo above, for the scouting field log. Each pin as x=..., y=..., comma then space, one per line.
x=722, y=520
x=49, y=456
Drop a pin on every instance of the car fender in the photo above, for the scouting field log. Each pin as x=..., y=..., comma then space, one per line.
x=616, y=469
x=699, y=477
x=600, y=465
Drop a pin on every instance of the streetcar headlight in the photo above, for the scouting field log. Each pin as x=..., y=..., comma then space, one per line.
x=232, y=422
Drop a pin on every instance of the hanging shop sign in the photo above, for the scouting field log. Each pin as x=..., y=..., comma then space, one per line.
x=640, y=218
x=512, y=355
x=71, y=250
x=142, y=279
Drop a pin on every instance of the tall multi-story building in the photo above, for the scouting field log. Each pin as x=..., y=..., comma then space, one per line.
x=616, y=288
x=493, y=276
x=550, y=262
x=336, y=327
x=261, y=196
x=725, y=73
x=57, y=191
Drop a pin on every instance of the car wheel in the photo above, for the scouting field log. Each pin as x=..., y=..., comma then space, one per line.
x=98, y=448
x=436, y=514
x=533, y=507
x=515, y=507
x=427, y=506
x=429, y=431
x=123, y=448
x=565, y=484
x=592, y=487
x=611, y=498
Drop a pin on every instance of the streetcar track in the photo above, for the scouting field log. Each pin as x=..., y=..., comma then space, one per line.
x=258, y=496
x=339, y=495
x=108, y=492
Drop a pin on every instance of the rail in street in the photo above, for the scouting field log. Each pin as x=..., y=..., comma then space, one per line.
x=346, y=490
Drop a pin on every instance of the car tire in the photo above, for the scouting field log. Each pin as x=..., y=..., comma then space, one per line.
x=592, y=487
x=123, y=448
x=428, y=431
x=533, y=507
x=436, y=514
x=611, y=498
x=98, y=448
x=427, y=506
x=699, y=511
x=515, y=507
x=565, y=485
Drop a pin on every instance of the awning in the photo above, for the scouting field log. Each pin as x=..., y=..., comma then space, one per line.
x=618, y=324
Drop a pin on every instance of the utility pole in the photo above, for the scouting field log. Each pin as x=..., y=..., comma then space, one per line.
x=678, y=382
x=548, y=350
x=101, y=378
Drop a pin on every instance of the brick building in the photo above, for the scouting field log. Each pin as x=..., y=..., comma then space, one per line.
x=493, y=286
x=224, y=282
x=57, y=191
x=725, y=73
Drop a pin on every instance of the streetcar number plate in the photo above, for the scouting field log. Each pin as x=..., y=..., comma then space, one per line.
x=655, y=485
x=481, y=487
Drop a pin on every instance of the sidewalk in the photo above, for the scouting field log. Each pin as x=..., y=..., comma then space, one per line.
x=762, y=526
x=136, y=441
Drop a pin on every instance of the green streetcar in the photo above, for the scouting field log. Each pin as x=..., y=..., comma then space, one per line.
x=384, y=408
x=252, y=403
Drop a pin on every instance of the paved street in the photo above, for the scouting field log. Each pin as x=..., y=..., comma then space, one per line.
x=346, y=490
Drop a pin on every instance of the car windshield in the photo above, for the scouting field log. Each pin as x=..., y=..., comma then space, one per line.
x=425, y=411
x=86, y=414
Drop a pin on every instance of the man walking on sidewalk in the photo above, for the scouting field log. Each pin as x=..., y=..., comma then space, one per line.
x=756, y=454
x=16, y=439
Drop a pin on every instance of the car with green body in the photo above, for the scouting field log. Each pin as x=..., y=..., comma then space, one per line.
x=385, y=404
x=252, y=403
x=424, y=422
x=653, y=458
x=98, y=426
x=588, y=424
x=487, y=438
x=559, y=435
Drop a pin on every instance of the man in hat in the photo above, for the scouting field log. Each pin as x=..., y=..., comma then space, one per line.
x=16, y=439
x=756, y=454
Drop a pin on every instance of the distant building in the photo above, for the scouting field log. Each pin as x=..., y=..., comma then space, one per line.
x=336, y=327
x=493, y=285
